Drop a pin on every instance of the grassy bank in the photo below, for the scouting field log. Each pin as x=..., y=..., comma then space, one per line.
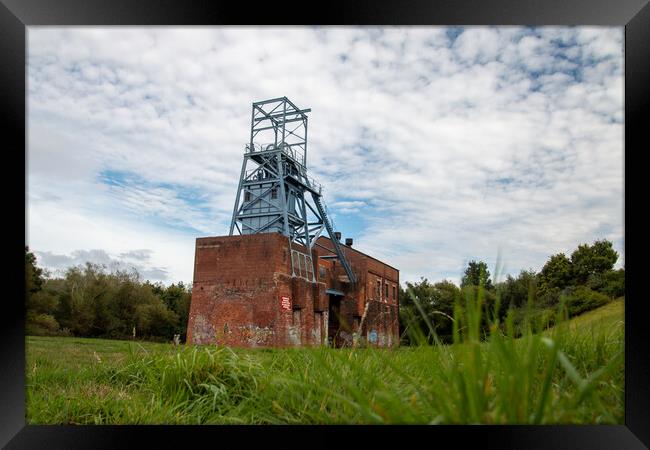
x=572, y=373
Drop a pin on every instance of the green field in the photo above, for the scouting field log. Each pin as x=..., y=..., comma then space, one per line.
x=571, y=374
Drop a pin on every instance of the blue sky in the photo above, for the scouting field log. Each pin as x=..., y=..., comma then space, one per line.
x=435, y=145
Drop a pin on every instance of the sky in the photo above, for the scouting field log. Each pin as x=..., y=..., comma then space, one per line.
x=434, y=145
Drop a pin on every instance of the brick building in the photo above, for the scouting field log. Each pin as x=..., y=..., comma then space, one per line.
x=275, y=280
x=245, y=294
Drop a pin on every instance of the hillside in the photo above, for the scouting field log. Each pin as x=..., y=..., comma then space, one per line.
x=609, y=315
x=570, y=374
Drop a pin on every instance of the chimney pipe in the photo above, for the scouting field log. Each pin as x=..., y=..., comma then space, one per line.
x=348, y=242
x=337, y=235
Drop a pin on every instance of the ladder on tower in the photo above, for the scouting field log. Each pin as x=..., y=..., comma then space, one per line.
x=337, y=245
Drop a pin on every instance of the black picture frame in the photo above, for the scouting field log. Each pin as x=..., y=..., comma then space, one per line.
x=634, y=15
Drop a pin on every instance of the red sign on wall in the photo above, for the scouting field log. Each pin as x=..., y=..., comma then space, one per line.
x=285, y=302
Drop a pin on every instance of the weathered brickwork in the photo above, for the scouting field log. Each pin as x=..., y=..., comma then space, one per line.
x=245, y=294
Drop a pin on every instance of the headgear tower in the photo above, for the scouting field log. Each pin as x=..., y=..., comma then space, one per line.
x=275, y=194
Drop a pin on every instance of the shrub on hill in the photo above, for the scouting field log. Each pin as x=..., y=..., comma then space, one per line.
x=581, y=299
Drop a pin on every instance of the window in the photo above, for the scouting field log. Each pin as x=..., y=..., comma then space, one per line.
x=274, y=193
x=247, y=196
x=378, y=292
x=302, y=265
x=321, y=272
x=386, y=290
x=395, y=292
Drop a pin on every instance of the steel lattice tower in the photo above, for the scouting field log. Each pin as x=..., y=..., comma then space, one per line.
x=275, y=194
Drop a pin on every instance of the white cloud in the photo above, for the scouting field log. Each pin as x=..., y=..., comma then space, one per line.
x=447, y=150
x=76, y=236
x=478, y=45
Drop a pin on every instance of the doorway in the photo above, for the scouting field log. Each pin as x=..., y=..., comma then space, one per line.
x=335, y=323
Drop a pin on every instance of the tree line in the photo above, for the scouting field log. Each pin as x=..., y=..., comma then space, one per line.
x=88, y=301
x=566, y=285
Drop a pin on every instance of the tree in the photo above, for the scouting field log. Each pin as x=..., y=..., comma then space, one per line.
x=81, y=293
x=473, y=299
x=593, y=261
x=445, y=295
x=39, y=303
x=556, y=273
x=614, y=283
x=91, y=302
x=177, y=298
x=154, y=319
x=436, y=306
x=129, y=294
x=33, y=274
x=413, y=315
x=515, y=292
x=476, y=274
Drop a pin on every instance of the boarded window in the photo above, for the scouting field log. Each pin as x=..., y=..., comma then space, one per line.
x=322, y=273
x=318, y=327
x=302, y=265
x=309, y=268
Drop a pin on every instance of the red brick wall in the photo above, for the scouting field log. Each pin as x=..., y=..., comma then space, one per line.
x=239, y=282
x=382, y=313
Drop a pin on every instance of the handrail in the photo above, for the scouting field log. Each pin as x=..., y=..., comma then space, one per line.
x=298, y=155
x=337, y=245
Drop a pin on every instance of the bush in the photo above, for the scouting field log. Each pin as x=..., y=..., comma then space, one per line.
x=536, y=319
x=155, y=320
x=65, y=332
x=581, y=299
x=515, y=292
x=614, y=283
x=42, y=325
x=550, y=298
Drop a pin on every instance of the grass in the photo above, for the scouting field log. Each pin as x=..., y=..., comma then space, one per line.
x=570, y=374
